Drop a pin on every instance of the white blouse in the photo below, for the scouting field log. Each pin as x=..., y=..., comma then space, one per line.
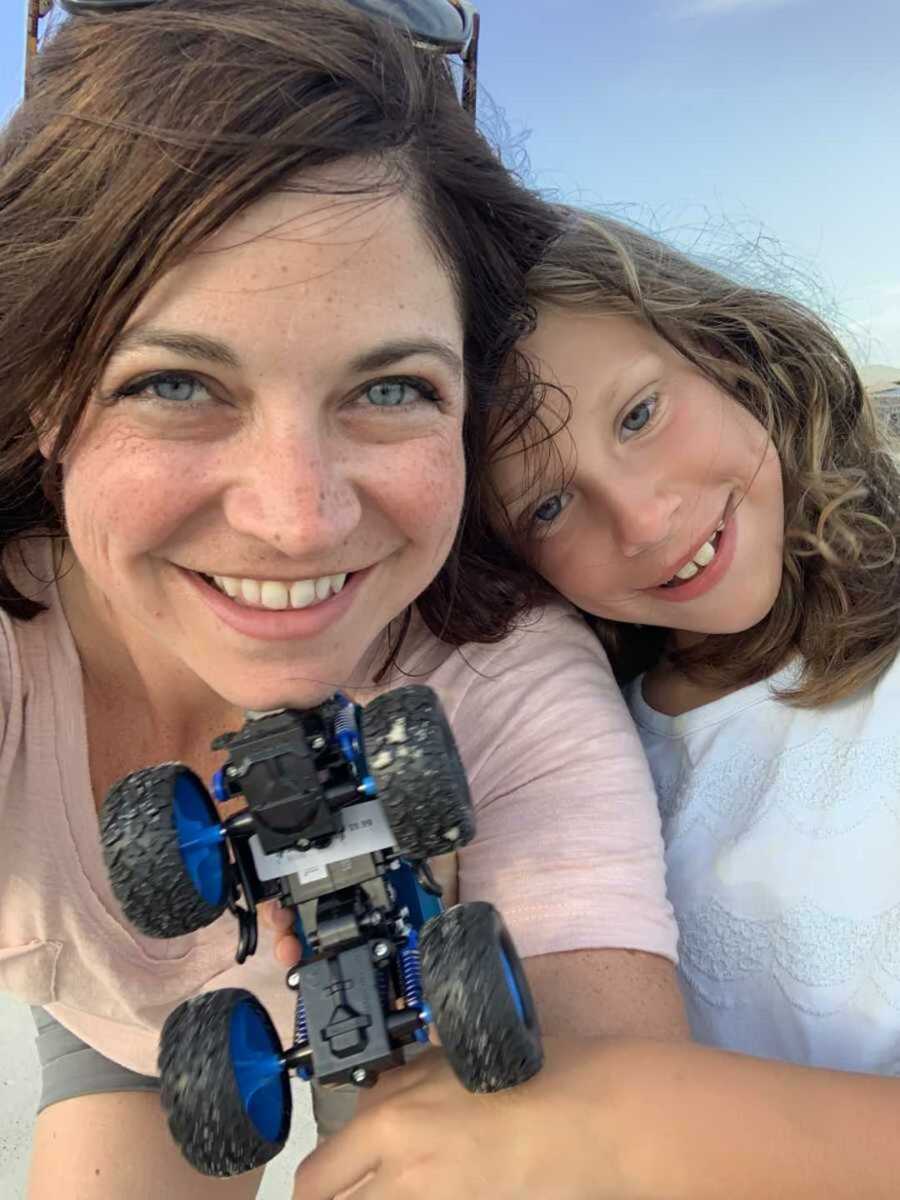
x=782, y=831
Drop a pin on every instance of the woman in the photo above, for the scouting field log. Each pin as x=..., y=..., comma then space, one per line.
x=258, y=272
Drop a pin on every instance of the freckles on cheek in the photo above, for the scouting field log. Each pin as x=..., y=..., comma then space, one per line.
x=122, y=491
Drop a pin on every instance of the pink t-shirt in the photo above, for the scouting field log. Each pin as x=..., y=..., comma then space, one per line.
x=568, y=844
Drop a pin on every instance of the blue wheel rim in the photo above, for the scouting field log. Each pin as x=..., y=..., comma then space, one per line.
x=258, y=1070
x=200, y=839
x=513, y=986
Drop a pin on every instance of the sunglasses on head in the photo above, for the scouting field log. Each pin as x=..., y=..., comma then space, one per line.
x=443, y=26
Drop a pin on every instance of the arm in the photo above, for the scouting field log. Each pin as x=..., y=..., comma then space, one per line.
x=607, y=993
x=616, y=1119
x=691, y=1123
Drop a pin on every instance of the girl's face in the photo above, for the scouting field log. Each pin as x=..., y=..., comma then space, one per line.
x=663, y=502
x=272, y=469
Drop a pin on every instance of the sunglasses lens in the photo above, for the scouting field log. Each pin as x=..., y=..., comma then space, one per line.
x=75, y=7
x=437, y=22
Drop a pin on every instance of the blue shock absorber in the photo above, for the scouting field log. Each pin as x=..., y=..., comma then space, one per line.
x=301, y=1032
x=346, y=731
x=411, y=970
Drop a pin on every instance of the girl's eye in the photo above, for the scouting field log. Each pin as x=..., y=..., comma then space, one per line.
x=167, y=387
x=551, y=509
x=639, y=417
x=400, y=393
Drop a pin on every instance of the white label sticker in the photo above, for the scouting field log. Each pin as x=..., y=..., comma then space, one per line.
x=365, y=829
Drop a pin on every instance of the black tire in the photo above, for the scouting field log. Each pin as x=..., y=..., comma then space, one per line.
x=412, y=757
x=473, y=982
x=143, y=856
x=200, y=1091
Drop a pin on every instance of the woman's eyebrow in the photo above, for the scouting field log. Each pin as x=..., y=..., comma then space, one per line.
x=396, y=349
x=191, y=345
x=206, y=349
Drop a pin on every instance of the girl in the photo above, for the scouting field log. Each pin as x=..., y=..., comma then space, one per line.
x=707, y=482
x=258, y=269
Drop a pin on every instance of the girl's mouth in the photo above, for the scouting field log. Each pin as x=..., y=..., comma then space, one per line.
x=702, y=558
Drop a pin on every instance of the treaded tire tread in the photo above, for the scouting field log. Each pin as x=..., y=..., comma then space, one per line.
x=199, y=1092
x=143, y=859
x=465, y=986
x=411, y=755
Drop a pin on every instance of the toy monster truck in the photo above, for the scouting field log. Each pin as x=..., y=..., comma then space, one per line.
x=345, y=805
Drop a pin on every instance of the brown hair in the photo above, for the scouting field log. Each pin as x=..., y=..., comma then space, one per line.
x=145, y=131
x=839, y=600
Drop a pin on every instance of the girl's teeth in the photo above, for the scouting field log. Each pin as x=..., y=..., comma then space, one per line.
x=705, y=554
x=688, y=571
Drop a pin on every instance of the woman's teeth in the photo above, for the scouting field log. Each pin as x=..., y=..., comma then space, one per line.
x=278, y=594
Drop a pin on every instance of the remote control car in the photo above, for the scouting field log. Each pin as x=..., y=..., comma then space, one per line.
x=344, y=807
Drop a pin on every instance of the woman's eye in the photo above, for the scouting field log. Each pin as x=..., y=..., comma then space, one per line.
x=639, y=416
x=551, y=508
x=399, y=393
x=168, y=387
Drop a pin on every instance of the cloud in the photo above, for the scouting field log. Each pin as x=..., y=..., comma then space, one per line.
x=716, y=8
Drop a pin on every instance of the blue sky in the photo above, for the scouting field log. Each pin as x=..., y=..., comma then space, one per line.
x=763, y=132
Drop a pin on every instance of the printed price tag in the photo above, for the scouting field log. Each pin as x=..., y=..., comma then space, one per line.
x=365, y=829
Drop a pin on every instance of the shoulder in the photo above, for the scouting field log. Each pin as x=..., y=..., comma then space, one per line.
x=552, y=666
x=30, y=651
x=549, y=648
x=543, y=699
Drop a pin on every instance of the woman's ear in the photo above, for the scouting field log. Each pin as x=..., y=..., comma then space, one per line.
x=46, y=433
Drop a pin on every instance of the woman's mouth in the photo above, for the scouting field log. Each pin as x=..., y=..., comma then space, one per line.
x=278, y=609
x=278, y=594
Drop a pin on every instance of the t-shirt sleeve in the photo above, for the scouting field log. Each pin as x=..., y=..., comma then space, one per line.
x=568, y=845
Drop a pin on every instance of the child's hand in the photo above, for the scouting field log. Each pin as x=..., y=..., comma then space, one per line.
x=286, y=944
x=424, y=1135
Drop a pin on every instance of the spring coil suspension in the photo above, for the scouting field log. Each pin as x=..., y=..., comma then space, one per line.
x=346, y=732
x=301, y=1034
x=301, y=1030
x=411, y=970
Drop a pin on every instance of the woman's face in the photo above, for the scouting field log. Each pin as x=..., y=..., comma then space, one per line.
x=272, y=467
x=658, y=474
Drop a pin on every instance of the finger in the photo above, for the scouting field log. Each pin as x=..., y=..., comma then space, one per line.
x=280, y=918
x=287, y=950
x=346, y=1162
x=275, y=916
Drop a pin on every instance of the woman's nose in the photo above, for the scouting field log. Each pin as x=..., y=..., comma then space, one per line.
x=296, y=492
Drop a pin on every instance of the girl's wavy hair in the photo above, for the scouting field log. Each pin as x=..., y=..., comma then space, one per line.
x=145, y=131
x=839, y=602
